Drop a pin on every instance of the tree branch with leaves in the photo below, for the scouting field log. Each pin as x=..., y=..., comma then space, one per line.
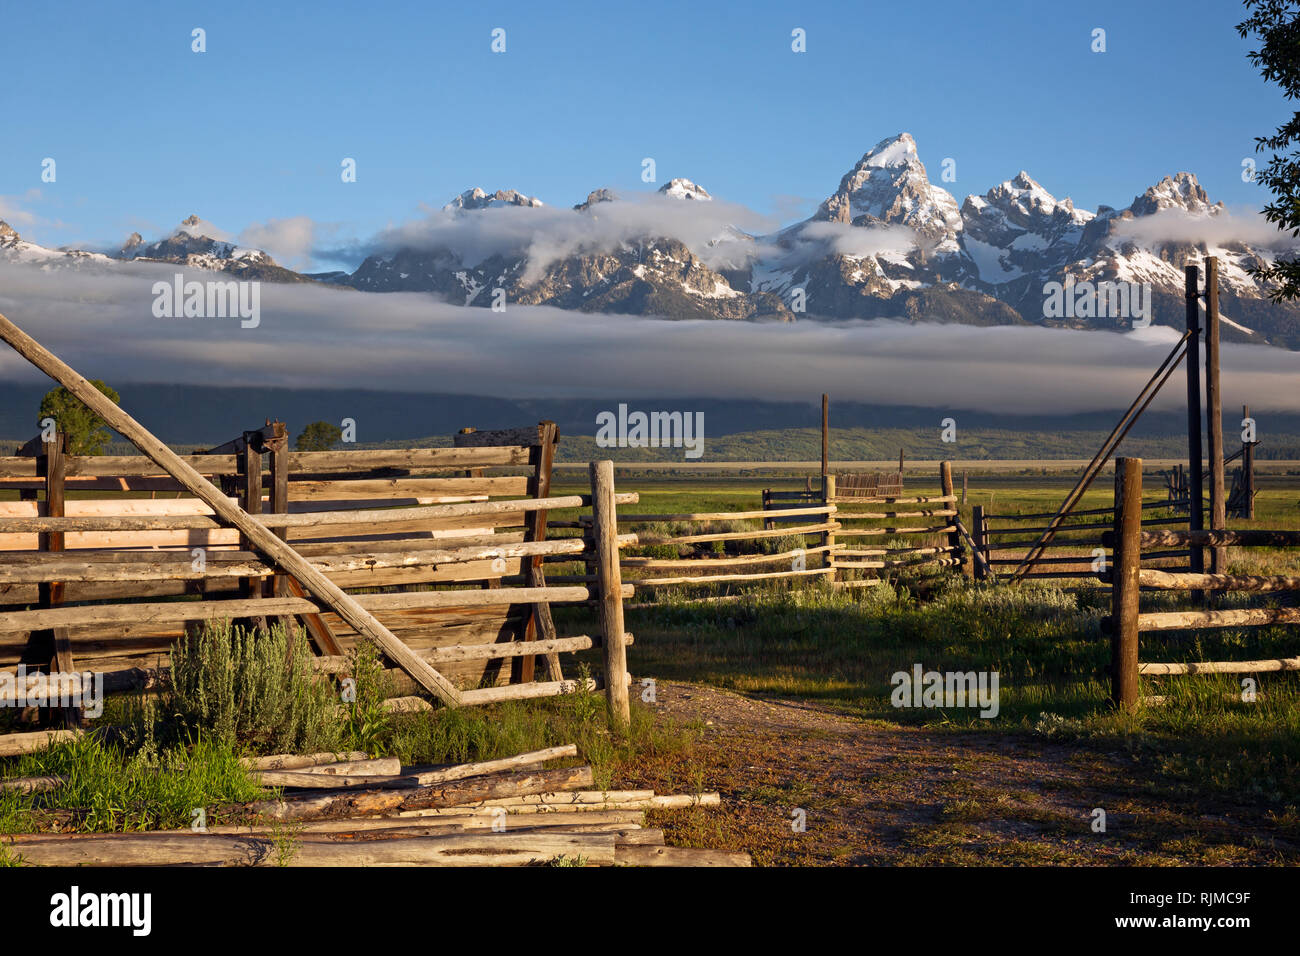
x=1275, y=26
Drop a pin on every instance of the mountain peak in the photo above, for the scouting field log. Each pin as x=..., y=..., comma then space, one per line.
x=594, y=197
x=685, y=189
x=1179, y=191
x=1025, y=196
x=7, y=232
x=477, y=198
x=889, y=184
x=897, y=150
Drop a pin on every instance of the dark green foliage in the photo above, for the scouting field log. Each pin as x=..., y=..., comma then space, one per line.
x=1275, y=26
x=252, y=688
x=319, y=436
x=86, y=431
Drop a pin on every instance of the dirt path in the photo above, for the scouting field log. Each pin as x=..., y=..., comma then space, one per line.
x=880, y=794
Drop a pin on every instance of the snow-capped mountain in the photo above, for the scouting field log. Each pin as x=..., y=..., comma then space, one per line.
x=684, y=189
x=478, y=199
x=889, y=185
x=642, y=275
x=197, y=244
x=14, y=248
x=900, y=246
x=887, y=242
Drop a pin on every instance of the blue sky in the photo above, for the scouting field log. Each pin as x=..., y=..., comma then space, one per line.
x=146, y=132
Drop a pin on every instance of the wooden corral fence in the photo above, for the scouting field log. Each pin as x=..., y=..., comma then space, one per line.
x=881, y=531
x=774, y=501
x=443, y=556
x=1077, y=551
x=703, y=550
x=1127, y=622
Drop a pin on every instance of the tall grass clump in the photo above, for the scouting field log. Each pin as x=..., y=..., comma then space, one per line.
x=107, y=789
x=253, y=688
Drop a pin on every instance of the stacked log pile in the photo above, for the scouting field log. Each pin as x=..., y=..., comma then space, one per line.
x=347, y=810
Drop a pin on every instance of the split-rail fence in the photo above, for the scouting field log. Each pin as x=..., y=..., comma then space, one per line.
x=447, y=558
x=1127, y=622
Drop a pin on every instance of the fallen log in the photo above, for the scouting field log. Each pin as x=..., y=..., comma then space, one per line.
x=376, y=801
x=380, y=766
x=534, y=758
x=32, y=784
x=483, y=819
x=556, y=803
x=13, y=744
x=632, y=835
x=587, y=799
x=298, y=761
x=172, y=849
x=306, y=780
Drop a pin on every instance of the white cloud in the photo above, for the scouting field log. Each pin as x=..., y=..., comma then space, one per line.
x=1177, y=225
x=546, y=234
x=289, y=241
x=102, y=324
x=861, y=241
x=12, y=213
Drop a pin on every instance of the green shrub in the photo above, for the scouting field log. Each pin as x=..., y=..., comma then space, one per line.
x=253, y=688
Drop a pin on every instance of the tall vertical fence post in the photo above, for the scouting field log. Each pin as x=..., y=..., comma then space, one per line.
x=1248, y=469
x=1124, y=584
x=828, y=538
x=1195, y=469
x=980, y=538
x=277, y=444
x=826, y=437
x=609, y=599
x=1214, y=413
x=542, y=458
x=53, y=466
x=956, y=549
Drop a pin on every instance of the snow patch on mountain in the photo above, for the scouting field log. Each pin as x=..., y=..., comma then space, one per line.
x=685, y=189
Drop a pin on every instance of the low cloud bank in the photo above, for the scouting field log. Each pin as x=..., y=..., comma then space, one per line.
x=309, y=336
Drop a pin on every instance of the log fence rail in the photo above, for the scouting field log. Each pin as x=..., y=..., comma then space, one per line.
x=1127, y=622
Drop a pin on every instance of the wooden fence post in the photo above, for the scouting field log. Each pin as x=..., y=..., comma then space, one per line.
x=279, y=448
x=828, y=537
x=539, y=616
x=1248, y=470
x=1124, y=584
x=53, y=466
x=981, y=542
x=609, y=583
x=1214, y=412
x=826, y=438
x=955, y=547
x=1195, y=468
x=249, y=463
